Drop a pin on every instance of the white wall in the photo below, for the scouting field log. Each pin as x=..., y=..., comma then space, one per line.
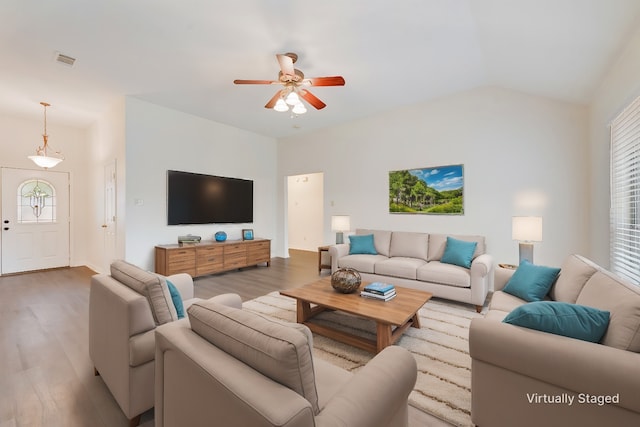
x=619, y=87
x=305, y=220
x=19, y=138
x=522, y=155
x=158, y=139
x=107, y=145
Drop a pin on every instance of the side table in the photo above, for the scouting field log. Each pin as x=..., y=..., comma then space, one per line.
x=322, y=249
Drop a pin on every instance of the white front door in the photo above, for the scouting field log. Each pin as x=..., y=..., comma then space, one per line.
x=35, y=220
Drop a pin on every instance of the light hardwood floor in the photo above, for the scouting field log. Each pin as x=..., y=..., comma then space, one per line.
x=46, y=376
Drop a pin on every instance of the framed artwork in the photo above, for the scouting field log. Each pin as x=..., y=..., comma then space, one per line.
x=434, y=190
x=247, y=234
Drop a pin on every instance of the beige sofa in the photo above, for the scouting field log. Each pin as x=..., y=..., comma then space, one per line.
x=412, y=260
x=124, y=310
x=526, y=377
x=234, y=368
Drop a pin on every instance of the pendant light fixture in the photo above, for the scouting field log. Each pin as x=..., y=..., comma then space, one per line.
x=42, y=158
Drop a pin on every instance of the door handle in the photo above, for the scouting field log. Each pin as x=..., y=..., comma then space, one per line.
x=104, y=226
x=6, y=228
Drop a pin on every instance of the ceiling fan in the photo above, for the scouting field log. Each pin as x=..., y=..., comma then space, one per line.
x=295, y=85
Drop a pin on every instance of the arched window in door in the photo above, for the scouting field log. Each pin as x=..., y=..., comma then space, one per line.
x=36, y=202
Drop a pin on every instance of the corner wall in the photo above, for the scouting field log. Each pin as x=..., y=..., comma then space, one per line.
x=522, y=155
x=107, y=145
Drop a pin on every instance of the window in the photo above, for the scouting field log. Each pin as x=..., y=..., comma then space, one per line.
x=625, y=193
x=36, y=202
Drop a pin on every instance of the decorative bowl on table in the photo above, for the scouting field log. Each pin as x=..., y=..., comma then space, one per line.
x=346, y=280
x=220, y=236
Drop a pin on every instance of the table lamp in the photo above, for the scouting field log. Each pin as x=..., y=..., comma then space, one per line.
x=340, y=224
x=526, y=229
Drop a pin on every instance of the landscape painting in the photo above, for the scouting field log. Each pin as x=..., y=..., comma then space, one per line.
x=435, y=190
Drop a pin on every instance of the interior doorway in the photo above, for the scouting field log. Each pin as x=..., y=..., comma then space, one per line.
x=305, y=211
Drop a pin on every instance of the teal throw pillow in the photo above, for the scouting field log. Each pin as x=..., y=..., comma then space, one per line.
x=177, y=299
x=459, y=252
x=561, y=318
x=362, y=244
x=531, y=282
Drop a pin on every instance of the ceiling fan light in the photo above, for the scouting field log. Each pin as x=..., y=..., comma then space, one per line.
x=281, y=106
x=292, y=98
x=299, y=108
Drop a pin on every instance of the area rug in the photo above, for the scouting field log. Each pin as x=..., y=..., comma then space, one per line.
x=440, y=347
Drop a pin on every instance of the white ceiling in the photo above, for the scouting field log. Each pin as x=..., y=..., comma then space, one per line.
x=185, y=54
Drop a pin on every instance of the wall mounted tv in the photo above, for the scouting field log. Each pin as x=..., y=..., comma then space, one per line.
x=194, y=198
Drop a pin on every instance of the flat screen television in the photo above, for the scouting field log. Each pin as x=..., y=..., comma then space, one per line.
x=194, y=198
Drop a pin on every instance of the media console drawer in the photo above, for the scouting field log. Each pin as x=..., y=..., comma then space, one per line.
x=209, y=257
x=258, y=252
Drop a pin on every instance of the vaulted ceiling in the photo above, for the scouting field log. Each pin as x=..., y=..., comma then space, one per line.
x=185, y=54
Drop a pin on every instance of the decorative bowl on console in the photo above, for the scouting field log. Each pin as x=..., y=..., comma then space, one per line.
x=220, y=236
x=346, y=280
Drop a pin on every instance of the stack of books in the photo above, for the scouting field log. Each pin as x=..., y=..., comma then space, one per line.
x=378, y=290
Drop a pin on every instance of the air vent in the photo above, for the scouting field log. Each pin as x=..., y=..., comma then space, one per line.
x=65, y=59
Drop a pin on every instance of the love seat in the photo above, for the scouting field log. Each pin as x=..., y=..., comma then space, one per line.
x=527, y=377
x=125, y=308
x=413, y=260
x=235, y=368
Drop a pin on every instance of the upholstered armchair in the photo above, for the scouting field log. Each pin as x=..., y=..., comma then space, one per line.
x=124, y=310
x=230, y=367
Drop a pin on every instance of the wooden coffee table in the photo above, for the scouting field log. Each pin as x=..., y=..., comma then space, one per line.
x=392, y=317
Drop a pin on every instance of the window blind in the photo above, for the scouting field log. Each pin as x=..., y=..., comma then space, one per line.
x=625, y=193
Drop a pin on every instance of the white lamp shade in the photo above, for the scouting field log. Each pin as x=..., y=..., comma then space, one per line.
x=281, y=106
x=45, y=161
x=292, y=99
x=340, y=223
x=527, y=228
x=299, y=109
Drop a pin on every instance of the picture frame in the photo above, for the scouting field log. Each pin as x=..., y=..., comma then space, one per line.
x=247, y=234
x=431, y=190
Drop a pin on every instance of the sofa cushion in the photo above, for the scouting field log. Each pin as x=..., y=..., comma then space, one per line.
x=445, y=274
x=275, y=349
x=410, y=245
x=438, y=242
x=381, y=239
x=151, y=286
x=609, y=292
x=142, y=348
x=458, y=252
x=574, y=273
x=561, y=318
x=362, y=245
x=362, y=263
x=503, y=301
x=399, y=267
x=531, y=282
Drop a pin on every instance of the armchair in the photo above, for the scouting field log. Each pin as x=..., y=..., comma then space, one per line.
x=124, y=310
x=236, y=368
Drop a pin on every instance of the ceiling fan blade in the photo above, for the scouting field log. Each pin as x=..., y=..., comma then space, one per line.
x=255, y=82
x=326, y=81
x=286, y=64
x=312, y=99
x=272, y=101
